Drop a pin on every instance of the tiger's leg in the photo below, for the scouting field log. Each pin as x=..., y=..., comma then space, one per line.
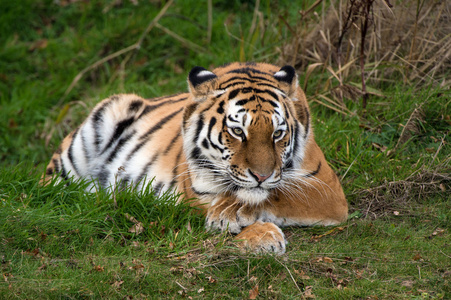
x=59, y=165
x=245, y=220
x=262, y=237
x=231, y=215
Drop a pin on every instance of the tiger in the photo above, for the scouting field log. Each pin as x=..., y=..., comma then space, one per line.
x=240, y=143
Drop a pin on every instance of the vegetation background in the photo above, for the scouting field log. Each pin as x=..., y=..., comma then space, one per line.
x=377, y=74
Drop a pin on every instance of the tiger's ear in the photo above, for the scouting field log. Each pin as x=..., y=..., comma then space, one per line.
x=288, y=80
x=201, y=82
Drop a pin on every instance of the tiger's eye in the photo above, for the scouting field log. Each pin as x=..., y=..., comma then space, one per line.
x=237, y=131
x=277, y=133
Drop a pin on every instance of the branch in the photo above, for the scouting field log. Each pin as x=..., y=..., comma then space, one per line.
x=135, y=46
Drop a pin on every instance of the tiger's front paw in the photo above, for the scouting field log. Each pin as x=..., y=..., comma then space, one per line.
x=231, y=217
x=262, y=237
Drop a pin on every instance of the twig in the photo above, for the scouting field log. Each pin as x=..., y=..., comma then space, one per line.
x=363, y=31
x=295, y=283
x=182, y=40
x=254, y=21
x=438, y=150
x=184, y=288
x=303, y=13
x=210, y=20
x=135, y=46
x=444, y=253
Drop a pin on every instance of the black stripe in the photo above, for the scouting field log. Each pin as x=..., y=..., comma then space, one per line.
x=103, y=177
x=195, y=154
x=172, y=142
x=307, y=125
x=287, y=112
x=243, y=102
x=200, y=125
x=227, y=83
x=233, y=93
x=174, y=170
x=146, y=167
x=63, y=171
x=220, y=109
x=145, y=137
x=232, y=119
x=159, y=124
x=223, y=87
x=289, y=164
x=248, y=71
x=271, y=93
x=120, y=128
x=83, y=145
x=49, y=171
x=210, y=127
x=134, y=106
x=56, y=164
x=268, y=85
x=295, y=137
x=153, y=107
x=158, y=188
x=119, y=146
x=313, y=173
x=200, y=193
x=70, y=154
x=97, y=117
x=164, y=97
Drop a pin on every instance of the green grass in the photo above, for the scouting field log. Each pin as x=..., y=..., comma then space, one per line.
x=57, y=241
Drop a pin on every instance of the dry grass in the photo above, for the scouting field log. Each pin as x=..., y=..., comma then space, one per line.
x=371, y=40
x=394, y=196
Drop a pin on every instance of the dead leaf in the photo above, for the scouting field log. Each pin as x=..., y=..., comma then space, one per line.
x=254, y=292
x=39, y=44
x=138, y=266
x=12, y=123
x=327, y=259
x=417, y=257
x=42, y=267
x=98, y=268
x=188, y=227
x=396, y=213
x=407, y=283
x=131, y=219
x=211, y=279
x=302, y=274
x=382, y=148
x=308, y=292
x=117, y=284
x=200, y=290
x=138, y=228
x=140, y=62
x=438, y=231
x=442, y=187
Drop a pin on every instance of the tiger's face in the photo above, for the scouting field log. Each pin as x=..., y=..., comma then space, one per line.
x=242, y=133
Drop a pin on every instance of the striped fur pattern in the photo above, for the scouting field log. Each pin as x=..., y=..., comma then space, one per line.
x=240, y=142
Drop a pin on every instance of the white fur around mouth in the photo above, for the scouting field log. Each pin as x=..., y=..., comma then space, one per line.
x=252, y=196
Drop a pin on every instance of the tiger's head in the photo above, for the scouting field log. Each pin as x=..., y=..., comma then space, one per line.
x=245, y=130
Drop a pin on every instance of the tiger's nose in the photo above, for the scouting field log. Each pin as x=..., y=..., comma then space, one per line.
x=259, y=177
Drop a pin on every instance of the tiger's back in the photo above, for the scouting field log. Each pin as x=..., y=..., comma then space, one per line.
x=240, y=142
x=126, y=139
